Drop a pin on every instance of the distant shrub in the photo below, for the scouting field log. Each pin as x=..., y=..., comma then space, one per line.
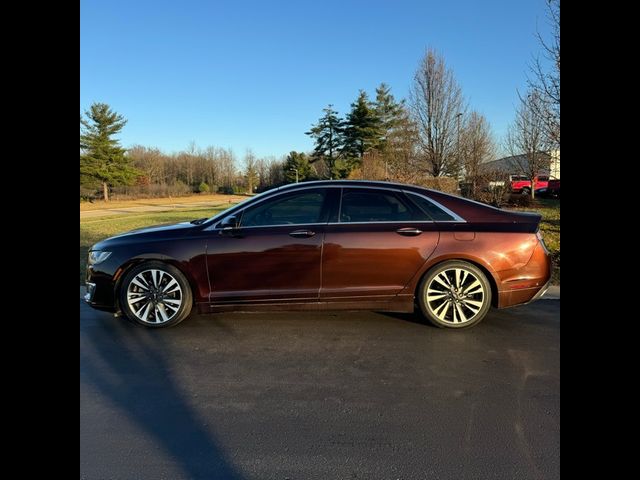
x=203, y=188
x=496, y=196
x=88, y=194
x=442, y=184
x=520, y=200
x=152, y=190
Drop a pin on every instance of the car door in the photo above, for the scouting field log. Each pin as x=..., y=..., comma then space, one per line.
x=274, y=255
x=377, y=244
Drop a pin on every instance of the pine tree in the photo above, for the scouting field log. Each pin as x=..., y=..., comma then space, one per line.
x=390, y=113
x=297, y=167
x=362, y=128
x=328, y=136
x=102, y=158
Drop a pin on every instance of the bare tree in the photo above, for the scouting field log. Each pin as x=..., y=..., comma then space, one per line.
x=213, y=172
x=228, y=167
x=476, y=147
x=372, y=167
x=276, y=174
x=546, y=79
x=526, y=139
x=436, y=100
x=150, y=161
x=262, y=171
x=250, y=170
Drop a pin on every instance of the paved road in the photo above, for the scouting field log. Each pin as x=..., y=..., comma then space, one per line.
x=321, y=396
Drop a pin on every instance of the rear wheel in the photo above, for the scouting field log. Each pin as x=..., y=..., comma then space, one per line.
x=454, y=294
x=156, y=295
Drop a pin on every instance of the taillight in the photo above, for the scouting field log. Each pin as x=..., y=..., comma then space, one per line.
x=541, y=240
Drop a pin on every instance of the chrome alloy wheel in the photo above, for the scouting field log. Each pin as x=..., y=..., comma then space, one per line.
x=154, y=296
x=455, y=296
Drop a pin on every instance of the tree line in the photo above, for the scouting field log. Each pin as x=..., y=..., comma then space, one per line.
x=432, y=133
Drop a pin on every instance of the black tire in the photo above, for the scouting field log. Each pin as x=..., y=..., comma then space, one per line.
x=462, y=304
x=165, y=280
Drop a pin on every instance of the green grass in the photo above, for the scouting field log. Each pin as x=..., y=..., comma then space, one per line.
x=93, y=230
x=550, y=228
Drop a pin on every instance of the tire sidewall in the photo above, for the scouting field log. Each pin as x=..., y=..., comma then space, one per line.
x=426, y=311
x=187, y=298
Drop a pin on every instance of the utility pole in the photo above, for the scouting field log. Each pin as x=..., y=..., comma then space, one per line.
x=458, y=115
x=295, y=170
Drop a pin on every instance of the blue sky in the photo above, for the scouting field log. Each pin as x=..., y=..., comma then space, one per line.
x=248, y=74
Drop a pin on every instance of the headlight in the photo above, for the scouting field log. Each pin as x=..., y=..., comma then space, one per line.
x=97, y=256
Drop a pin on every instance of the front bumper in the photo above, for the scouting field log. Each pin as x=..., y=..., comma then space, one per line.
x=100, y=289
x=91, y=288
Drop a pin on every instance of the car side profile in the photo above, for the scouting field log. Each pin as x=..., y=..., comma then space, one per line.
x=327, y=245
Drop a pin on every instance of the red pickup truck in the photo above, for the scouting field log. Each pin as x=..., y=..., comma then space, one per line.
x=543, y=185
x=522, y=184
x=553, y=188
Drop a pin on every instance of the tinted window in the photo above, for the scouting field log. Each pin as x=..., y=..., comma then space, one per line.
x=436, y=213
x=298, y=208
x=359, y=205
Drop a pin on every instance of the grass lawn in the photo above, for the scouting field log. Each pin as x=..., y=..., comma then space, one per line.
x=203, y=197
x=94, y=230
x=550, y=228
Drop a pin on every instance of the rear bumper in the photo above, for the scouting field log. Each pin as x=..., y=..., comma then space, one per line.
x=528, y=283
x=541, y=292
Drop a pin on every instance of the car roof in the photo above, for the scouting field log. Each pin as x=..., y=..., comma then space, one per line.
x=346, y=183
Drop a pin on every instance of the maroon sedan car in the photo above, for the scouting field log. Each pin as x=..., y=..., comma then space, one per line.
x=327, y=245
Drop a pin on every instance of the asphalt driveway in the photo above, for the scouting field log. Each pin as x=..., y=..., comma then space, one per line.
x=321, y=395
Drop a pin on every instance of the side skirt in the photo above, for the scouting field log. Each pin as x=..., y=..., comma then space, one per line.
x=399, y=304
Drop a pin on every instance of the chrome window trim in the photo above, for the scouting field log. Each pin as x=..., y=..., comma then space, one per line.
x=383, y=221
x=486, y=205
x=457, y=218
x=281, y=225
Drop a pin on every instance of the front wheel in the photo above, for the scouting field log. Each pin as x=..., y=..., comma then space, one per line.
x=454, y=294
x=156, y=295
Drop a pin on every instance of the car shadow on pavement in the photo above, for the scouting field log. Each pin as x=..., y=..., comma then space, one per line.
x=130, y=367
x=414, y=317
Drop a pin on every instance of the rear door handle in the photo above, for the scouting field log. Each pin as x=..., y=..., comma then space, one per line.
x=302, y=233
x=409, y=232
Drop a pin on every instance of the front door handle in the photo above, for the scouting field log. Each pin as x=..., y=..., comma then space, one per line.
x=409, y=232
x=302, y=233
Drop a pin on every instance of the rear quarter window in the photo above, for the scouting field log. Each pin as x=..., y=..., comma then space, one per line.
x=432, y=210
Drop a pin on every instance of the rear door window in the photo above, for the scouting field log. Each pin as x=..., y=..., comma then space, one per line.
x=360, y=205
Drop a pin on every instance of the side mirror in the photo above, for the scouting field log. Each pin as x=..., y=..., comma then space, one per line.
x=229, y=223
